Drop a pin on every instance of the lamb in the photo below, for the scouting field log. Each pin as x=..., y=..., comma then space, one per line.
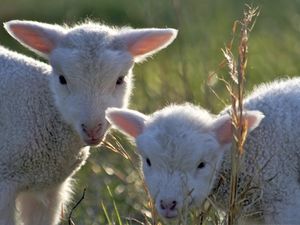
x=51, y=114
x=185, y=153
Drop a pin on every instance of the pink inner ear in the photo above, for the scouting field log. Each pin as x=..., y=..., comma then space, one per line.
x=149, y=43
x=224, y=132
x=128, y=125
x=32, y=38
x=251, y=121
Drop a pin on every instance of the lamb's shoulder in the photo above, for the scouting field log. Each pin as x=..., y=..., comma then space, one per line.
x=52, y=161
x=51, y=152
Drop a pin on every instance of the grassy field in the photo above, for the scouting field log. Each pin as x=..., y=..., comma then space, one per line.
x=177, y=74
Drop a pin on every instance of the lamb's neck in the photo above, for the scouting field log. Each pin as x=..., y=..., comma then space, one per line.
x=62, y=135
x=248, y=193
x=52, y=128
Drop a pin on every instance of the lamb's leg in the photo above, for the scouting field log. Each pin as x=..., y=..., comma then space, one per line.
x=7, y=203
x=45, y=207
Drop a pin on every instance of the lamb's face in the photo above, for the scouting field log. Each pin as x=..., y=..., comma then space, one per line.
x=181, y=147
x=91, y=67
x=179, y=167
x=85, y=82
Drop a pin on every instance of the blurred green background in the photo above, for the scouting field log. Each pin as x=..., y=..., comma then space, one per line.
x=177, y=74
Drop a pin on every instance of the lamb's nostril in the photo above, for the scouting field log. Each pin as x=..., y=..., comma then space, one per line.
x=97, y=128
x=92, y=132
x=173, y=206
x=83, y=127
x=162, y=204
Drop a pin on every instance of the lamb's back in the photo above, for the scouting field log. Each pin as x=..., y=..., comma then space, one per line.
x=277, y=137
x=274, y=147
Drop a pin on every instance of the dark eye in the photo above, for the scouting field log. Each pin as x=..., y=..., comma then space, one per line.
x=62, y=80
x=148, y=162
x=201, y=165
x=120, y=80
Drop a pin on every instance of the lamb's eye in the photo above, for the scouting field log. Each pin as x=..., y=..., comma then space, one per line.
x=201, y=165
x=62, y=80
x=120, y=80
x=148, y=162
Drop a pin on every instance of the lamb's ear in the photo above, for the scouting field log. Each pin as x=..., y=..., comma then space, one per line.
x=223, y=126
x=41, y=38
x=141, y=43
x=128, y=121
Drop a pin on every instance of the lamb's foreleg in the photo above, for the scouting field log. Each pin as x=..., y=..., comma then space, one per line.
x=45, y=207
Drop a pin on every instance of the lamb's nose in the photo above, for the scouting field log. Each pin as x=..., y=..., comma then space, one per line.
x=168, y=205
x=92, y=132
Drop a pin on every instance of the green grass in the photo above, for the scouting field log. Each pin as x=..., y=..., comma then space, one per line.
x=177, y=74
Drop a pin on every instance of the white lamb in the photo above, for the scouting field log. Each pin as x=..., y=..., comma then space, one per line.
x=50, y=115
x=186, y=155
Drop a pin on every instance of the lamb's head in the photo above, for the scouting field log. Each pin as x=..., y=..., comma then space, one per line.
x=181, y=149
x=91, y=67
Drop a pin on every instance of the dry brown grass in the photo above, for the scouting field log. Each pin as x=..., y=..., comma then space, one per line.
x=236, y=88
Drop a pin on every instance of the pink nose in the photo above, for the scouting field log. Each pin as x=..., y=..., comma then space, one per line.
x=168, y=205
x=93, y=132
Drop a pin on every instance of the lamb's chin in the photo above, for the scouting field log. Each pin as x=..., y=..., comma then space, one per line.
x=93, y=142
x=169, y=215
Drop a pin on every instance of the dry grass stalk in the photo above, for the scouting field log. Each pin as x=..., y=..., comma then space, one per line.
x=70, y=221
x=236, y=88
x=117, y=147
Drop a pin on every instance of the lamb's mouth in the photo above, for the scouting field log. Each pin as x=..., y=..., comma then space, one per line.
x=97, y=141
x=94, y=142
x=179, y=212
x=169, y=217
